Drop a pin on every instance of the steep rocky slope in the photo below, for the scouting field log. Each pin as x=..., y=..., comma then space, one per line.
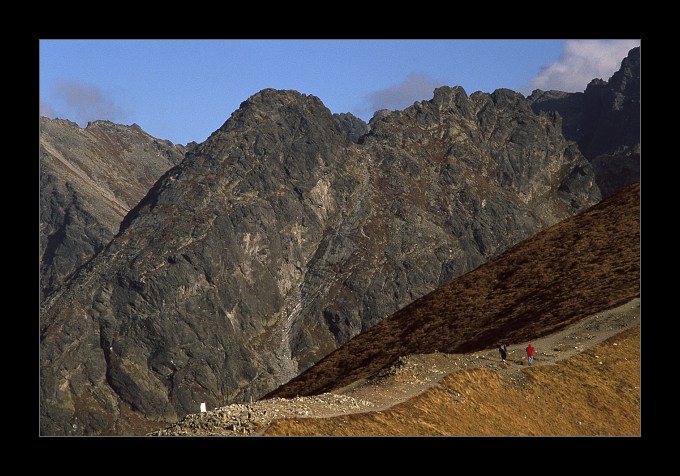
x=585, y=264
x=449, y=183
x=278, y=239
x=605, y=122
x=90, y=178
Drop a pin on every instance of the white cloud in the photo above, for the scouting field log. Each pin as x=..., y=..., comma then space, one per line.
x=85, y=102
x=416, y=87
x=581, y=62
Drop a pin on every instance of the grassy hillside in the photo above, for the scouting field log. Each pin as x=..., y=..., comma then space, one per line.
x=594, y=393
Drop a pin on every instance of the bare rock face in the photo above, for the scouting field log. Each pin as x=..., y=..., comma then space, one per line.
x=605, y=122
x=352, y=125
x=89, y=180
x=279, y=238
x=449, y=183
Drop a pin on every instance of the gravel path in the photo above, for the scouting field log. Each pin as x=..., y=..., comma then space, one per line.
x=410, y=376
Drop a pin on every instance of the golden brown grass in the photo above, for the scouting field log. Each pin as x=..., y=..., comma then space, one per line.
x=581, y=266
x=593, y=393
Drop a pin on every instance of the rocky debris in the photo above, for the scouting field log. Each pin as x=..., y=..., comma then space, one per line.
x=604, y=121
x=278, y=239
x=407, y=368
x=252, y=418
x=404, y=364
x=89, y=179
x=352, y=125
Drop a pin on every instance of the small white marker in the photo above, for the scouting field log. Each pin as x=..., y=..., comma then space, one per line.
x=203, y=409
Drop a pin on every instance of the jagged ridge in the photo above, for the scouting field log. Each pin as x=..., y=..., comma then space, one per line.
x=278, y=239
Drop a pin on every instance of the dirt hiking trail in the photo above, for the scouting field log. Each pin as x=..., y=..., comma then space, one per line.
x=409, y=376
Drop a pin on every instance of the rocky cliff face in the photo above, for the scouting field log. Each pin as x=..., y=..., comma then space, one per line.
x=449, y=183
x=89, y=180
x=605, y=122
x=278, y=239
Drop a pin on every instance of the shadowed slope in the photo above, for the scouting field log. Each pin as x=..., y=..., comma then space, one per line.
x=583, y=265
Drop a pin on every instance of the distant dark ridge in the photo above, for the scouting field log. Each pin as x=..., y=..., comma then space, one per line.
x=581, y=266
x=604, y=121
x=89, y=178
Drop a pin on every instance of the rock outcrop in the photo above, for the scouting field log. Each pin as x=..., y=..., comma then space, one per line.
x=278, y=239
x=605, y=122
x=89, y=180
x=352, y=125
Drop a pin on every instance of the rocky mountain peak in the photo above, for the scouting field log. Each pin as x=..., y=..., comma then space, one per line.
x=596, y=83
x=444, y=94
x=277, y=105
x=278, y=239
x=507, y=98
x=378, y=115
x=447, y=98
x=271, y=115
x=103, y=123
x=627, y=78
x=45, y=121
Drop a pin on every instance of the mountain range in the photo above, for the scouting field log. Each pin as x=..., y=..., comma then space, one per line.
x=285, y=234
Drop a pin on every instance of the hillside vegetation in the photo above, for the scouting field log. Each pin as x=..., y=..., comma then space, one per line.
x=596, y=392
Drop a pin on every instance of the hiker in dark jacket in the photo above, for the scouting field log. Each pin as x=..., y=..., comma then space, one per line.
x=503, y=349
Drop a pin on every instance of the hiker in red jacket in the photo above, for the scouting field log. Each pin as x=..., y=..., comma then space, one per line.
x=530, y=353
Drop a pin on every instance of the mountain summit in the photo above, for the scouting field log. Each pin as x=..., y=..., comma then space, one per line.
x=279, y=238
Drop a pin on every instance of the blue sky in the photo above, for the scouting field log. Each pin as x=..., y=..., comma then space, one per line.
x=183, y=90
